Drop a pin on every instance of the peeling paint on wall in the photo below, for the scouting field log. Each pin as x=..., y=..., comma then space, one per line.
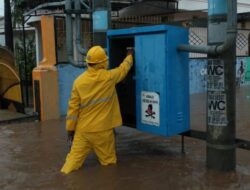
x=247, y=71
x=198, y=74
x=243, y=71
x=66, y=76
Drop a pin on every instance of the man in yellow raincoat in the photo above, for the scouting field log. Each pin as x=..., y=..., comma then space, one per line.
x=94, y=110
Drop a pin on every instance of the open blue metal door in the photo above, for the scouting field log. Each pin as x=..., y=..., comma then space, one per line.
x=150, y=87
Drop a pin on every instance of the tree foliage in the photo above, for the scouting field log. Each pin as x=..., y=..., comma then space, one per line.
x=26, y=73
x=18, y=9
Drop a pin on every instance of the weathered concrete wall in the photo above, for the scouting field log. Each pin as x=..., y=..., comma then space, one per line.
x=66, y=76
x=198, y=74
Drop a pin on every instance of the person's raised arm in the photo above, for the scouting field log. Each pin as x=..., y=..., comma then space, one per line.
x=119, y=73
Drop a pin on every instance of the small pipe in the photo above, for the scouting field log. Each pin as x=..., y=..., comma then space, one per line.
x=76, y=64
x=69, y=32
x=69, y=36
x=78, y=27
x=54, y=4
x=85, y=5
x=214, y=49
x=197, y=49
x=230, y=38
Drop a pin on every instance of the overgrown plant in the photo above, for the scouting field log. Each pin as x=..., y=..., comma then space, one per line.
x=25, y=69
x=26, y=73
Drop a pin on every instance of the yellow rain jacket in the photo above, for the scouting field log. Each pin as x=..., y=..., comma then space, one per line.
x=93, y=112
x=94, y=103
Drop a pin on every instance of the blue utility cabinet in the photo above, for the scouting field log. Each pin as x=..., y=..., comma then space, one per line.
x=154, y=97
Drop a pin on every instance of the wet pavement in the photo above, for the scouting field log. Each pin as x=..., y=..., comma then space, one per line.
x=8, y=115
x=32, y=154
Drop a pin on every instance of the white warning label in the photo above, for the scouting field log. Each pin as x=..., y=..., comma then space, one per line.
x=150, y=108
x=217, y=110
x=215, y=74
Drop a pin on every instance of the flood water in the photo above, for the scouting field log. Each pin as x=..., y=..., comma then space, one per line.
x=33, y=153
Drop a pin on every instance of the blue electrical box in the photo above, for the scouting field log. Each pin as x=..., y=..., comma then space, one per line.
x=154, y=97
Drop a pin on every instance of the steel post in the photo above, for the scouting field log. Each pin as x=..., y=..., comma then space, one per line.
x=221, y=102
x=101, y=21
x=25, y=64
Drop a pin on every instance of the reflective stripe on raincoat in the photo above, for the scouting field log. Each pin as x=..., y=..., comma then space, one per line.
x=94, y=105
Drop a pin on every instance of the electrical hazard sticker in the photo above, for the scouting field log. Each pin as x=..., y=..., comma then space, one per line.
x=150, y=108
x=217, y=110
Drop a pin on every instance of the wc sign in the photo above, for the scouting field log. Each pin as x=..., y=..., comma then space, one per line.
x=217, y=109
x=217, y=99
x=215, y=74
x=150, y=108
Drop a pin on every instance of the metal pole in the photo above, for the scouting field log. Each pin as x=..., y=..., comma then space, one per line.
x=91, y=24
x=8, y=25
x=69, y=33
x=101, y=21
x=78, y=27
x=25, y=64
x=221, y=101
x=221, y=88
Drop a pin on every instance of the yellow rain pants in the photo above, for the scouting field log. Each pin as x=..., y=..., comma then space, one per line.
x=102, y=143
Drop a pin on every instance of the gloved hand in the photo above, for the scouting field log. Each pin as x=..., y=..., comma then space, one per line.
x=70, y=137
x=130, y=51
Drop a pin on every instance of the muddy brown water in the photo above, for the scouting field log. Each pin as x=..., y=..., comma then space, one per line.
x=33, y=153
x=8, y=115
